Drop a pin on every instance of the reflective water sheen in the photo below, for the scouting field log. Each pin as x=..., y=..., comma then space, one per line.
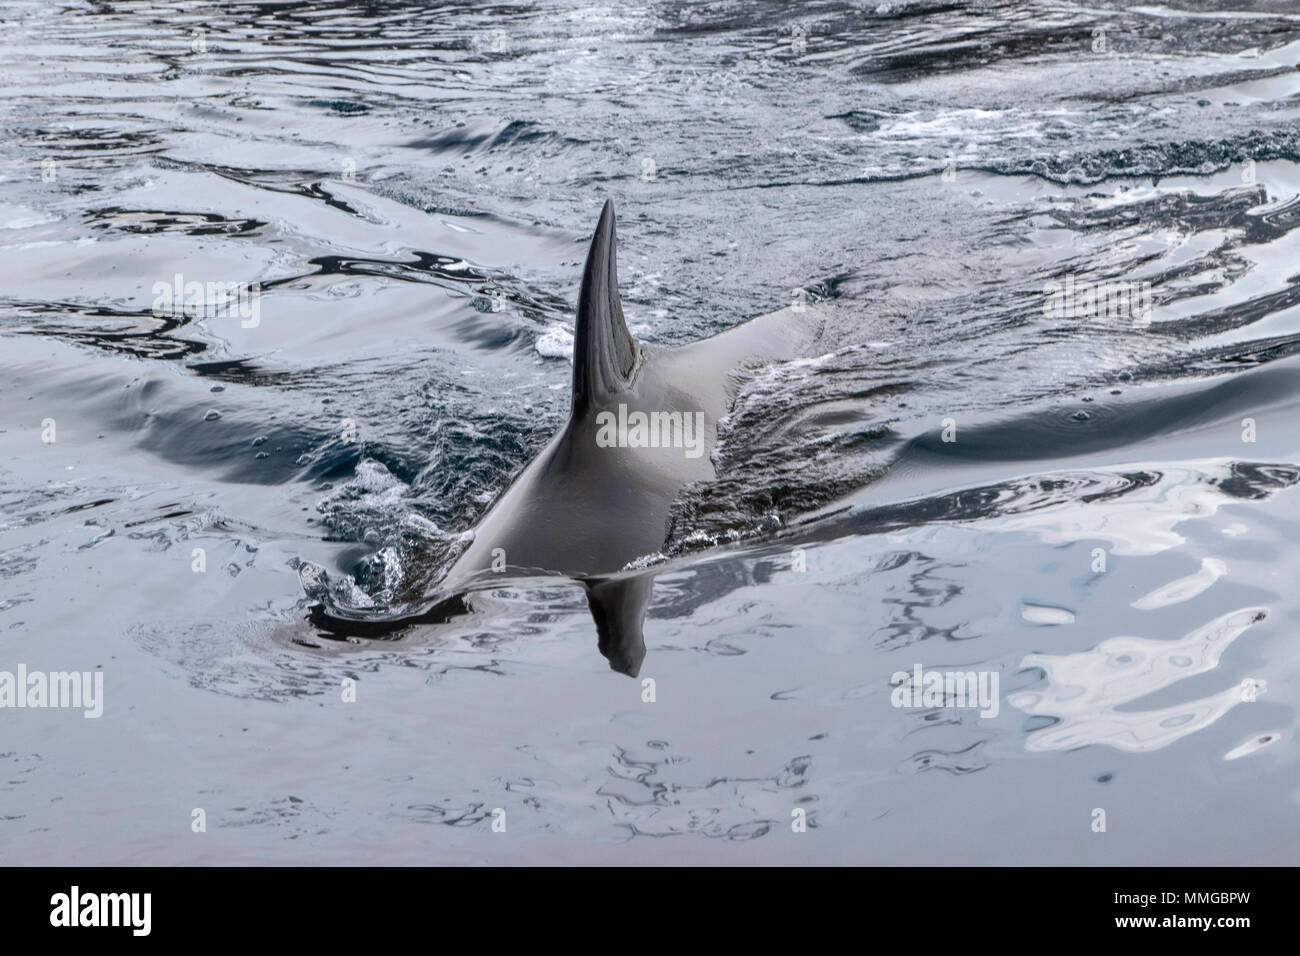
x=1113, y=532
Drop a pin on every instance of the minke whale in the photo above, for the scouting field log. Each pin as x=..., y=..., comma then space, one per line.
x=643, y=423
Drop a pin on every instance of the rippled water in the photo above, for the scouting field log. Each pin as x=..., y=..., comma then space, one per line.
x=1112, y=532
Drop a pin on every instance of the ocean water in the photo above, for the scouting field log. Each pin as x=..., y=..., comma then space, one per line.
x=1093, y=508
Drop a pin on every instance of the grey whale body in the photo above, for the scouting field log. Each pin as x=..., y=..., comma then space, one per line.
x=599, y=495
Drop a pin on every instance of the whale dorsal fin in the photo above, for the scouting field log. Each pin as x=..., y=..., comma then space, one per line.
x=604, y=352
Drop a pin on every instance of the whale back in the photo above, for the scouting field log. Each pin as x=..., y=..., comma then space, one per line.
x=642, y=425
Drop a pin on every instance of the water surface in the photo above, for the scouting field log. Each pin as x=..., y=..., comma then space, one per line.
x=1112, y=532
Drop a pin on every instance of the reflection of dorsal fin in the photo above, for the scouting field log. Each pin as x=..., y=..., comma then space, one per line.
x=618, y=608
x=604, y=352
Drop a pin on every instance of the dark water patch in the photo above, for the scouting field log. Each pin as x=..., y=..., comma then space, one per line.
x=344, y=107
x=1100, y=425
x=1157, y=161
x=1256, y=480
x=1194, y=84
x=1235, y=316
x=297, y=182
x=860, y=121
x=1185, y=211
x=1231, y=357
x=152, y=222
x=980, y=46
x=514, y=136
x=136, y=333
